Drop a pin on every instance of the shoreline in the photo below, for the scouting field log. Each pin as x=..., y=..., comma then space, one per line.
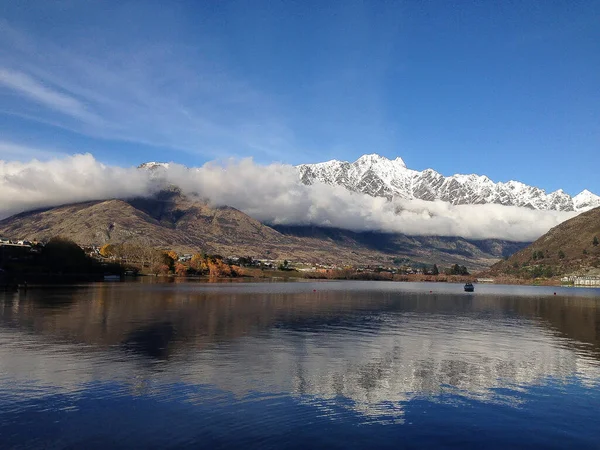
x=289, y=276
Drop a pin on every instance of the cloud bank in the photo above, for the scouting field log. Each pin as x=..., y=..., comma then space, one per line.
x=270, y=193
x=78, y=178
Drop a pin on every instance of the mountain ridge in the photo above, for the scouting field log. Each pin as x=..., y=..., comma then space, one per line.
x=171, y=220
x=379, y=176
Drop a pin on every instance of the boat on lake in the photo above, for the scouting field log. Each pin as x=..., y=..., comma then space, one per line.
x=469, y=287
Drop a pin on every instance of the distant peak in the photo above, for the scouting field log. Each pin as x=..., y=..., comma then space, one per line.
x=374, y=158
x=586, y=193
x=399, y=160
x=586, y=199
x=378, y=176
x=153, y=165
x=371, y=157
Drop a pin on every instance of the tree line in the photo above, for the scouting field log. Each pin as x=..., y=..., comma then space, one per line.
x=163, y=262
x=452, y=270
x=58, y=258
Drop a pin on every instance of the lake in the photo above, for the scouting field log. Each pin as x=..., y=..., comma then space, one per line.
x=337, y=364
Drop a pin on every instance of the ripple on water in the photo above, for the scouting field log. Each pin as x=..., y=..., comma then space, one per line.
x=274, y=365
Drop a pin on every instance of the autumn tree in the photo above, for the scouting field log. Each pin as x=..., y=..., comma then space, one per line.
x=169, y=258
x=149, y=256
x=217, y=268
x=180, y=269
x=160, y=269
x=136, y=253
x=107, y=250
x=198, y=263
x=121, y=251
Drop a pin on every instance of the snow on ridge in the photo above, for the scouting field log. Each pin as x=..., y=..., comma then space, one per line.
x=153, y=165
x=586, y=200
x=379, y=176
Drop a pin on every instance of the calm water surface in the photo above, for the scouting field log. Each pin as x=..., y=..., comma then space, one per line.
x=299, y=365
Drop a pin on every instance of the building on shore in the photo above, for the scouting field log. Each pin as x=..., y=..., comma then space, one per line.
x=588, y=280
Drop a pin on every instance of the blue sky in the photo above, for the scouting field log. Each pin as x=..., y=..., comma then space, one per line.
x=507, y=89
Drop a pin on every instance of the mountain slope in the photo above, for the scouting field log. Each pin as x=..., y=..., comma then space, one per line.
x=169, y=221
x=381, y=177
x=185, y=224
x=566, y=249
x=444, y=251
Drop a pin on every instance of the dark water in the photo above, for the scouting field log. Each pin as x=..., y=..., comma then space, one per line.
x=300, y=365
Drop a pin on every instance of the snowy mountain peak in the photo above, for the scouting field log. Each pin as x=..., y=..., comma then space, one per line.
x=399, y=161
x=586, y=200
x=585, y=194
x=379, y=176
x=153, y=165
x=374, y=159
x=371, y=158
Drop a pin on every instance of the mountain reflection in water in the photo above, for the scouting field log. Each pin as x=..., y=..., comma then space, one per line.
x=366, y=347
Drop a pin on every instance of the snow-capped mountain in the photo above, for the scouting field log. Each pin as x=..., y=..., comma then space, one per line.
x=153, y=165
x=585, y=200
x=381, y=177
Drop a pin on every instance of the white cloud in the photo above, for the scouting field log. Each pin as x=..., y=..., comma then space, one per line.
x=36, y=91
x=36, y=184
x=269, y=193
x=139, y=92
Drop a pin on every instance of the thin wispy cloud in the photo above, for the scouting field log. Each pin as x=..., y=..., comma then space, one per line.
x=167, y=97
x=270, y=193
x=36, y=91
x=289, y=82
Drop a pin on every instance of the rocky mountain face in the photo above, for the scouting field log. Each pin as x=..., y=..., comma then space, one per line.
x=381, y=177
x=167, y=220
x=171, y=220
x=428, y=249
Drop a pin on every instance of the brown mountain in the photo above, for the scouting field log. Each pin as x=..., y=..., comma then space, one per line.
x=441, y=250
x=185, y=224
x=566, y=249
x=168, y=220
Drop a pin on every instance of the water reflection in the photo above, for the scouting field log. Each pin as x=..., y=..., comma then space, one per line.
x=371, y=347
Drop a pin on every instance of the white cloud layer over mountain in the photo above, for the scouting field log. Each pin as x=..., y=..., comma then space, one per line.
x=271, y=193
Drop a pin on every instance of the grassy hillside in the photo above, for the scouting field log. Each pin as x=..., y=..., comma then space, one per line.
x=567, y=249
